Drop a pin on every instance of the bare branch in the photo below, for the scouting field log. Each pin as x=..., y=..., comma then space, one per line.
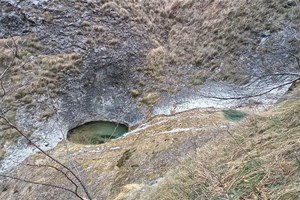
x=3, y=89
x=71, y=162
x=250, y=96
x=7, y=122
x=15, y=54
x=59, y=170
x=39, y=183
x=47, y=155
x=257, y=78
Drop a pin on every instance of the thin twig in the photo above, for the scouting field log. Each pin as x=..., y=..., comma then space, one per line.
x=250, y=96
x=3, y=89
x=47, y=155
x=15, y=54
x=71, y=161
x=59, y=170
x=39, y=183
x=240, y=146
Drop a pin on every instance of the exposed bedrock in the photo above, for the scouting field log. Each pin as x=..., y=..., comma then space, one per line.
x=113, y=50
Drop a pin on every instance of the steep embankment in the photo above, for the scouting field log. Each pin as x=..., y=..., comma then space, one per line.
x=197, y=154
x=64, y=63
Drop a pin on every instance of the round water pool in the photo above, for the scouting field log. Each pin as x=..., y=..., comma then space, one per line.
x=96, y=132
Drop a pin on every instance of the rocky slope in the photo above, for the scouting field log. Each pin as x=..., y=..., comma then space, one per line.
x=64, y=63
x=198, y=154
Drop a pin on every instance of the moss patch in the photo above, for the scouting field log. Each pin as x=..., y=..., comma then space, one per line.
x=234, y=115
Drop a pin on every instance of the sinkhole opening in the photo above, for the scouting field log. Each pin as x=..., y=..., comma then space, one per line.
x=96, y=132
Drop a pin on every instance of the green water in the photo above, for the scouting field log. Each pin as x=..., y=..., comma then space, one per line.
x=234, y=115
x=96, y=132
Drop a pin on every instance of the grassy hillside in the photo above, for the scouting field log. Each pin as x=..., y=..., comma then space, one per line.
x=259, y=161
x=189, y=42
x=208, y=34
x=199, y=154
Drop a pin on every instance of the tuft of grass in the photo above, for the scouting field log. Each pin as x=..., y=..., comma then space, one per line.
x=26, y=99
x=135, y=93
x=155, y=62
x=125, y=156
x=47, y=113
x=198, y=79
x=11, y=115
x=2, y=154
x=99, y=28
x=48, y=16
x=7, y=137
x=150, y=98
x=247, y=180
x=85, y=24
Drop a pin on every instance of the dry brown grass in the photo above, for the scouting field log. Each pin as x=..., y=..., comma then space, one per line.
x=123, y=164
x=155, y=62
x=150, y=98
x=260, y=162
x=31, y=74
x=42, y=75
x=135, y=93
x=208, y=34
x=7, y=48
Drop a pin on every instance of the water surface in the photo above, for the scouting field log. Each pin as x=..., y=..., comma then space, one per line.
x=96, y=132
